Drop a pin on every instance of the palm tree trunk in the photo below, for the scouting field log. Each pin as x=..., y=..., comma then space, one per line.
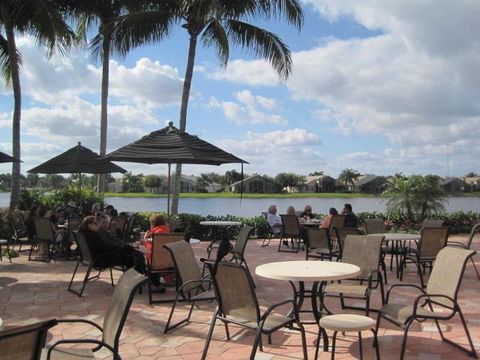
x=104, y=106
x=17, y=96
x=187, y=83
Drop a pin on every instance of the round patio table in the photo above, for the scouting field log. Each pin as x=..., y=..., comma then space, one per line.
x=317, y=272
x=221, y=228
x=398, y=244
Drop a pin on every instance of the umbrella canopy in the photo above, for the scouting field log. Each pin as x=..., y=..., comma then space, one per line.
x=78, y=159
x=170, y=146
x=4, y=158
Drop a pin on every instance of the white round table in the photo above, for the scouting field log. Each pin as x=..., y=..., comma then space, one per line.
x=308, y=271
x=398, y=245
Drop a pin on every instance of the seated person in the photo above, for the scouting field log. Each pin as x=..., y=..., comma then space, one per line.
x=107, y=236
x=351, y=219
x=307, y=213
x=58, y=218
x=291, y=210
x=325, y=224
x=274, y=220
x=29, y=223
x=127, y=256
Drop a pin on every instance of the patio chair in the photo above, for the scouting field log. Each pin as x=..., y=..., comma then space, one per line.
x=432, y=240
x=319, y=245
x=441, y=291
x=193, y=287
x=118, y=225
x=365, y=252
x=161, y=261
x=238, y=251
x=432, y=223
x=25, y=342
x=337, y=222
x=113, y=322
x=44, y=239
x=291, y=231
x=271, y=233
x=473, y=232
x=238, y=304
x=87, y=259
x=342, y=233
x=16, y=222
x=375, y=226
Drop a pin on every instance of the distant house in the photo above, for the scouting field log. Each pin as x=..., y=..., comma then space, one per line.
x=472, y=183
x=371, y=184
x=214, y=187
x=255, y=184
x=115, y=186
x=318, y=183
x=188, y=184
x=453, y=184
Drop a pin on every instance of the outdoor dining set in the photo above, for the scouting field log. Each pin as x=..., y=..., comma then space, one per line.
x=348, y=264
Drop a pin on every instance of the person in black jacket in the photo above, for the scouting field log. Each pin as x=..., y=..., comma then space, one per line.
x=118, y=254
x=351, y=219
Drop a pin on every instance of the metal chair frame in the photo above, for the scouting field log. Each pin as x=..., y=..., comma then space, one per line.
x=473, y=232
x=291, y=231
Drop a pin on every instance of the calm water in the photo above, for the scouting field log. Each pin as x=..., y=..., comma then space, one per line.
x=253, y=207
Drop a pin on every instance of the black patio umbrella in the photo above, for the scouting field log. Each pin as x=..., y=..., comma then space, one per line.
x=77, y=160
x=171, y=146
x=4, y=158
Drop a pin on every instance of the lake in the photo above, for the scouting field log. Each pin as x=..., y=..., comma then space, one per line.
x=253, y=207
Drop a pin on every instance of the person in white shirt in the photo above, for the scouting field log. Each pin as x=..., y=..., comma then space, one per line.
x=274, y=220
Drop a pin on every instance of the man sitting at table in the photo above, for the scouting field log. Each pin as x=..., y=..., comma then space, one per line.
x=307, y=212
x=351, y=219
x=274, y=220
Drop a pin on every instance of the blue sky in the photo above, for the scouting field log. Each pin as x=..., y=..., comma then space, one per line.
x=376, y=86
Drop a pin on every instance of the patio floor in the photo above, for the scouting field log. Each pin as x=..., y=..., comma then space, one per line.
x=33, y=291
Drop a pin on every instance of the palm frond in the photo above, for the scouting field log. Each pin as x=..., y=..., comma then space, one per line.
x=263, y=43
x=5, y=68
x=215, y=36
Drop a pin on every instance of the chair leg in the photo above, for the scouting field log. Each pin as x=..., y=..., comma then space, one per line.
x=377, y=326
x=209, y=336
x=85, y=280
x=334, y=341
x=227, y=331
x=73, y=276
x=474, y=266
x=360, y=344
x=111, y=277
x=304, y=340
x=377, y=348
x=404, y=342
x=255, y=343
x=419, y=267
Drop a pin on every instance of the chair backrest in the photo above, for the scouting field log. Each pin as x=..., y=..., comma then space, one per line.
x=24, y=342
x=375, y=226
x=17, y=224
x=235, y=291
x=86, y=255
x=241, y=242
x=337, y=222
x=128, y=227
x=291, y=225
x=447, y=273
x=342, y=234
x=44, y=229
x=365, y=251
x=319, y=238
x=74, y=223
x=161, y=258
x=120, y=305
x=433, y=239
x=185, y=262
x=118, y=223
x=432, y=223
x=475, y=230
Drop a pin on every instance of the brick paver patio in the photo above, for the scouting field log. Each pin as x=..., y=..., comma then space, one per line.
x=33, y=291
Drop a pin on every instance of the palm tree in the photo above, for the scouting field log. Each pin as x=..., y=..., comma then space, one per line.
x=220, y=23
x=42, y=20
x=112, y=40
x=348, y=177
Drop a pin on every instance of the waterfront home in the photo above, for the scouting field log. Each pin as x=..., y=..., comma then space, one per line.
x=371, y=184
x=255, y=184
x=318, y=183
x=453, y=184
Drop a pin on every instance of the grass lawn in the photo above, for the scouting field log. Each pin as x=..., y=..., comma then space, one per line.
x=237, y=195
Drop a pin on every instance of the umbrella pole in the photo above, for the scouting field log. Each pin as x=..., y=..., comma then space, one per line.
x=169, y=190
x=79, y=190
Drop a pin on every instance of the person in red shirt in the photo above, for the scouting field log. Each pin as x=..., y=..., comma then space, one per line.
x=158, y=225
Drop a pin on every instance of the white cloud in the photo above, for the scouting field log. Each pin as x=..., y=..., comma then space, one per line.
x=250, y=109
x=256, y=72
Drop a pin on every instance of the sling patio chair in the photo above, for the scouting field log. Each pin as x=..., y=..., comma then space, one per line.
x=365, y=252
x=375, y=226
x=238, y=304
x=432, y=240
x=92, y=263
x=291, y=231
x=319, y=245
x=44, y=240
x=161, y=261
x=473, y=232
x=16, y=222
x=24, y=342
x=432, y=223
x=272, y=233
x=238, y=251
x=193, y=286
x=337, y=222
x=341, y=234
x=118, y=225
x=437, y=302
x=113, y=323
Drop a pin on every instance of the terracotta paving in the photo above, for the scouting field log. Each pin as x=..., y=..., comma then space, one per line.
x=33, y=291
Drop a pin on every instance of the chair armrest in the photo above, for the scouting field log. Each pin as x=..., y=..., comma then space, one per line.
x=199, y=281
x=370, y=277
x=81, y=321
x=274, y=306
x=84, y=341
x=430, y=297
x=402, y=285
